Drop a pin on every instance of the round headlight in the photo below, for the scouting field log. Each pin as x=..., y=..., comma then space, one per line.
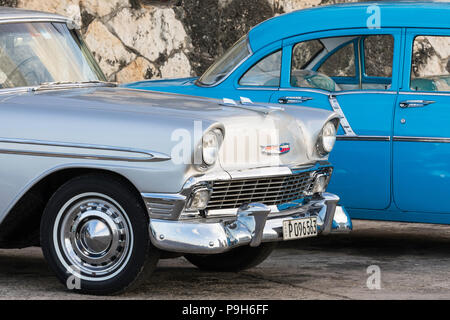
x=211, y=145
x=327, y=139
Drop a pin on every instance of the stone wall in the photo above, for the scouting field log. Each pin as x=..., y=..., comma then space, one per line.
x=145, y=39
x=149, y=39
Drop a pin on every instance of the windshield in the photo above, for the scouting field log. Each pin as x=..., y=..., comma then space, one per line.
x=222, y=67
x=36, y=53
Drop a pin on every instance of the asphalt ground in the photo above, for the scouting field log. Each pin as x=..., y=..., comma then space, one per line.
x=402, y=260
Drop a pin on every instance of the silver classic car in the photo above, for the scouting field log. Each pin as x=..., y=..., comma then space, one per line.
x=107, y=180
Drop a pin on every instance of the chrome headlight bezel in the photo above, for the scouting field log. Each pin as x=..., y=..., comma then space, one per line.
x=327, y=138
x=211, y=143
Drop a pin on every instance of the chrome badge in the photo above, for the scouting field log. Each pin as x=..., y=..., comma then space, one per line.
x=276, y=149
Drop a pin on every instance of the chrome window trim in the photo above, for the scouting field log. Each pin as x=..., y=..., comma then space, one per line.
x=421, y=139
x=363, y=138
x=149, y=156
x=320, y=91
x=198, y=83
x=338, y=93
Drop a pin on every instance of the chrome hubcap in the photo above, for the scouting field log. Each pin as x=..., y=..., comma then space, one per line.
x=94, y=235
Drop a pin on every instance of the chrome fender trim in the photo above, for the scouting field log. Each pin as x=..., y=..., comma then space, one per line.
x=140, y=155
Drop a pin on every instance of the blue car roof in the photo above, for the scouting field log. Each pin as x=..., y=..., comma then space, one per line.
x=351, y=15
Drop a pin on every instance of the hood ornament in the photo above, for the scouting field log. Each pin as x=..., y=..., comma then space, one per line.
x=247, y=104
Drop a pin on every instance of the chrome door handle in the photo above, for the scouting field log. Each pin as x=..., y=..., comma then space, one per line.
x=415, y=103
x=286, y=100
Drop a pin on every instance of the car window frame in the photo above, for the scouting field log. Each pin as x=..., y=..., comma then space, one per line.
x=410, y=35
x=254, y=64
x=372, y=79
x=396, y=33
x=246, y=65
x=229, y=73
x=345, y=80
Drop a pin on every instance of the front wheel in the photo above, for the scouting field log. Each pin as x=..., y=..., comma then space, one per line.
x=94, y=235
x=238, y=259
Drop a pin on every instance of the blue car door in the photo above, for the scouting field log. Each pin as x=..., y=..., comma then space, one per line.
x=421, y=161
x=347, y=72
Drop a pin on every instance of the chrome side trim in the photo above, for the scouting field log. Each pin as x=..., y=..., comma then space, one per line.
x=363, y=138
x=344, y=122
x=148, y=156
x=416, y=93
x=422, y=139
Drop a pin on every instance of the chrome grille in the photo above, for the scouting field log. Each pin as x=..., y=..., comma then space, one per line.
x=267, y=190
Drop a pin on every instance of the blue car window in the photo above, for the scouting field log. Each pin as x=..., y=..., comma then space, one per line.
x=356, y=62
x=431, y=64
x=378, y=56
x=264, y=73
x=341, y=63
x=303, y=56
x=303, y=53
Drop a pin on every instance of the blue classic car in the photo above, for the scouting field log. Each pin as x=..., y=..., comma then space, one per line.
x=384, y=68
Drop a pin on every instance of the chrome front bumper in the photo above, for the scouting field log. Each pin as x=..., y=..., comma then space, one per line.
x=254, y=224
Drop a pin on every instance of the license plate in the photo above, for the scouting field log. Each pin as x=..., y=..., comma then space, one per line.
x=299, y=228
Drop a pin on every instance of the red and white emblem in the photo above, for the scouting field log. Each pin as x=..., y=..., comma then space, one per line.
x=276, y=149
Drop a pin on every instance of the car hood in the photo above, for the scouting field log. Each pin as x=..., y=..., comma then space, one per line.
x=151, y=120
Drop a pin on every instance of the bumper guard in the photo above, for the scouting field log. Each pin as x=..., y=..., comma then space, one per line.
x=254, y=224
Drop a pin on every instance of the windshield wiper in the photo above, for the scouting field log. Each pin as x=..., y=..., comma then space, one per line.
x=71, y=84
